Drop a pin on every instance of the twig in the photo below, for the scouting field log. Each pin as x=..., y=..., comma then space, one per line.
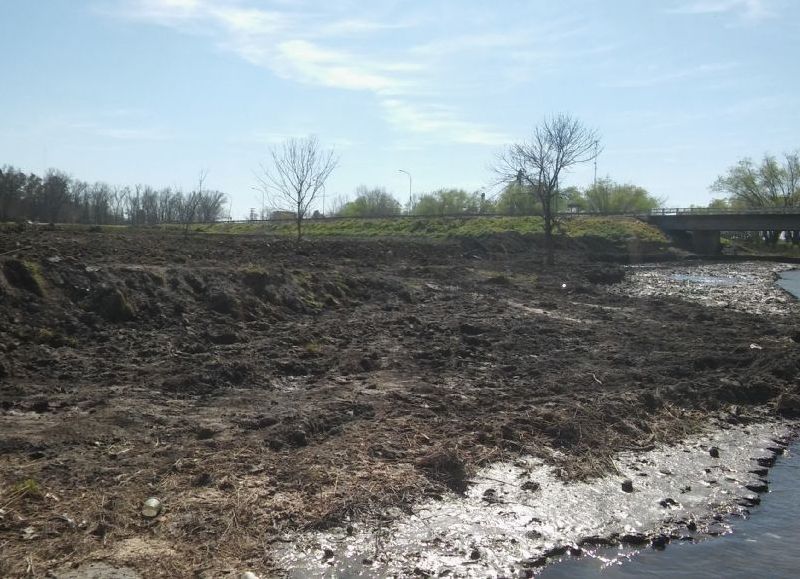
x=16, y=250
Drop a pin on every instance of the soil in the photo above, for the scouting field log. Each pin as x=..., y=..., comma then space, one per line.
x=257, y=387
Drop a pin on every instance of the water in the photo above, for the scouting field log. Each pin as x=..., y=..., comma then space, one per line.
x=790, y=281
x=763, y=545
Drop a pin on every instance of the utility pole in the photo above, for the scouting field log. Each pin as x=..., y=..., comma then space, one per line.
x=409, y=187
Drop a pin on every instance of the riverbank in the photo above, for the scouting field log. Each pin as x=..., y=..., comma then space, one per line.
x=258, y=389
x=518, y=517
x=758, y=542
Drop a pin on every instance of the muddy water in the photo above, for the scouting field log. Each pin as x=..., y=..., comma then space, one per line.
x=764, y=544
x=518, y=517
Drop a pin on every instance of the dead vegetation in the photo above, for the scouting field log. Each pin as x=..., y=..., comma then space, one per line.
x=257, y=391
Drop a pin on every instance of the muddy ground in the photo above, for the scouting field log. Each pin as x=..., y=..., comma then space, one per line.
x=256, y=389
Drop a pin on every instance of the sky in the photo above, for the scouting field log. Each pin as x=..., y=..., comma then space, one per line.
x=156, y=91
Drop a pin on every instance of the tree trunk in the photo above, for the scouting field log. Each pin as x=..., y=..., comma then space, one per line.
x=548, y=238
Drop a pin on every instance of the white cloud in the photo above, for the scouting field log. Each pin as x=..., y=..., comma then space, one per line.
x=316, y=47
x=440, y=121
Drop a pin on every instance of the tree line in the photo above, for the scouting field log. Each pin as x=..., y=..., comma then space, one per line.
x=57, y=197
x=605, y=196
x=771, y=183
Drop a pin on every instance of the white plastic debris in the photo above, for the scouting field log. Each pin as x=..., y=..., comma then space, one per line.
x=151, y=508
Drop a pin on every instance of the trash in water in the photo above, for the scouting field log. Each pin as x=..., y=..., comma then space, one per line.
x=151, y=507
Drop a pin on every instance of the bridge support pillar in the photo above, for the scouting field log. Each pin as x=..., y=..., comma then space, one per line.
x=706, y=242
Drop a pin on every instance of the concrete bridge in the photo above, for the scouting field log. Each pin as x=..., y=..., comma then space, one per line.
x=705, y=225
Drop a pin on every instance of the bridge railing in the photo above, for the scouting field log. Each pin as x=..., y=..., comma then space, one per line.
x=723, y=211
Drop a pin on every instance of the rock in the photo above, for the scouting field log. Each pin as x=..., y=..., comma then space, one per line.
x=627, y=485
x=531, y=486
x=475, y=555
x=759, y=486
x=714, y=452
x=659, y=542
x=767, y=461
x=788, y=405
x=633, y=539
x=749, y=501
x=298, y=438
x=759, y=472
x=668, y=502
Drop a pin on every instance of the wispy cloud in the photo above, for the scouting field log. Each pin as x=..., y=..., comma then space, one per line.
x=441, y=121
x=746, y=9
x=316, y=48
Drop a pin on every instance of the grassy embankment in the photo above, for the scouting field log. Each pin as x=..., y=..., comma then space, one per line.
x=616, y=229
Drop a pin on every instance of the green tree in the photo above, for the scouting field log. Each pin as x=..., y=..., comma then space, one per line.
x=607, y=196
x=515, y=199
x=770, y=184
x=375, y=202
x=450, y=202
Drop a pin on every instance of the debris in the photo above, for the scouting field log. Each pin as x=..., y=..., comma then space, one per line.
x=151, y=508
x=755, y=347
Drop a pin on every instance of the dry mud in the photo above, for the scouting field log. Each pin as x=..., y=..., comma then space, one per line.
x=259, y=389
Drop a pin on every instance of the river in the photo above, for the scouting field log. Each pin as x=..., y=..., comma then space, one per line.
x=763, y=545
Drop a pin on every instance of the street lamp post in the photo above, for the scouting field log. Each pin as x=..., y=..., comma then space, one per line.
x=409, y=187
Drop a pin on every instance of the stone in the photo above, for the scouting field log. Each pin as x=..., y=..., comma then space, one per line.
x=714, y=452
x=627, y=485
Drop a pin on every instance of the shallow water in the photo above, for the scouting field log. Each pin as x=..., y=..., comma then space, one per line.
x=790, y=281
x=515, y=517
x=762, y=545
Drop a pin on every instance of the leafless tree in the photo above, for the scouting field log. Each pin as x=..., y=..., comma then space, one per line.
x=557, y=144
x=295, y=176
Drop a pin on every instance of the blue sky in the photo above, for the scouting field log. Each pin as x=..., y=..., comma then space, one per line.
x=151, y=91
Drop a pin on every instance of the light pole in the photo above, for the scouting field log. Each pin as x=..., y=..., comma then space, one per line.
x=263, y=191
x=409, y=187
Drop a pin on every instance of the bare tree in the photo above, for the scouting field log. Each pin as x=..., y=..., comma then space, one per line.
x=557, y=144
x=297, y=173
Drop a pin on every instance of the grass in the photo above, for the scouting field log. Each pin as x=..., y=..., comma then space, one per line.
x=612, y=228
x=616, y=229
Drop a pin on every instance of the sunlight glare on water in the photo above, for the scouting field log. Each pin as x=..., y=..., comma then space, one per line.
x=764, y=545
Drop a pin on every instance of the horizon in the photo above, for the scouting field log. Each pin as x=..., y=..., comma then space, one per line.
x=154, y=91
